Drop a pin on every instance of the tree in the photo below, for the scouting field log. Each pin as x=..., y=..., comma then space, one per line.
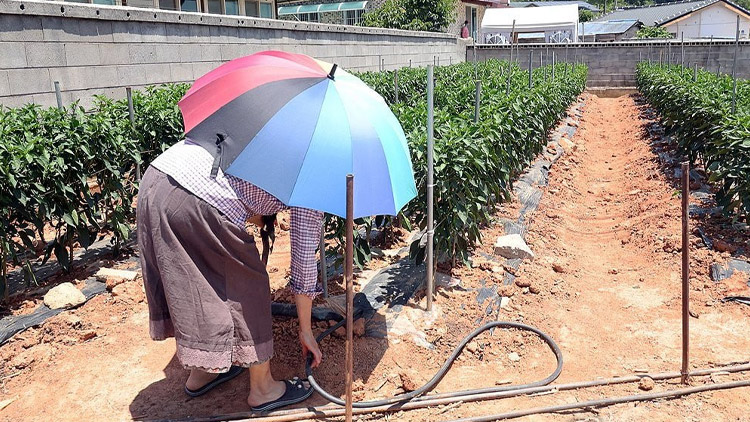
x=653, y=32
x=585, y=15
x=415, y=15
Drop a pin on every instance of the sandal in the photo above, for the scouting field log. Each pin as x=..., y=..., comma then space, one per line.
x=295, y=393
x=220, y=379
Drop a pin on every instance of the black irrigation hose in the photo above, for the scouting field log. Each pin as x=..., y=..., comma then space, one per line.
x=444, y=369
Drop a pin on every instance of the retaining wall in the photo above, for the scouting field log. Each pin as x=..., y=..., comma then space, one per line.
x=96, y=49
x=612, y=65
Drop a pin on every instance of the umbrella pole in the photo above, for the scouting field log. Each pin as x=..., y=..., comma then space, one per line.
x=349, y=271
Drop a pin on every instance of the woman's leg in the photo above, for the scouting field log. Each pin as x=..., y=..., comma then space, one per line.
x=263, y=388
x=198, y=379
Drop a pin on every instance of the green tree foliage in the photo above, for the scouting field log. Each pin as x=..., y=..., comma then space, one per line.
x=653, y=32
x=415, y=15
x=585, y=15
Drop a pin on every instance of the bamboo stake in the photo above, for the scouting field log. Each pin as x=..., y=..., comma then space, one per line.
x=430, y=186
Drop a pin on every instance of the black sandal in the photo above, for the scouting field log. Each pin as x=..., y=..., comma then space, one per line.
x=295, y=393
x=220, y=379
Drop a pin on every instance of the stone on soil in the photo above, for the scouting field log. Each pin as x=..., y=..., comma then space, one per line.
x=64, y=296
x=407, y=382
x=513, y=356
x=513, y=246
x=646, y=384
x=114, y=277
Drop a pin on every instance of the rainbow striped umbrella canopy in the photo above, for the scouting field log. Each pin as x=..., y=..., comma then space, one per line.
x=295, y=127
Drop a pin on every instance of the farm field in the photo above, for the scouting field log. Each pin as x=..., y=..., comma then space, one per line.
x=605, y=284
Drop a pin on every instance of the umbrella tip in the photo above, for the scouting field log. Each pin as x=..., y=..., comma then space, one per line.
x=333, y=70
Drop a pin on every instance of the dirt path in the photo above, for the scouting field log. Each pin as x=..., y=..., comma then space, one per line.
x=608, y=274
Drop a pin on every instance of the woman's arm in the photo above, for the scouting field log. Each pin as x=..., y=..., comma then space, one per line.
x=306, y=336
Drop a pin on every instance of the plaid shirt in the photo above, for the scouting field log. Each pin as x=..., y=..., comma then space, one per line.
x=190, y=165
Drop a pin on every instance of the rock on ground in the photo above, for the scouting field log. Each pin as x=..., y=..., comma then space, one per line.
x=64, y=296
x=646, y=384
x=513, y=246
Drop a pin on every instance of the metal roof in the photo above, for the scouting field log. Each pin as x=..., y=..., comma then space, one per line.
x=581, y=4
x=325, y=7
x=610, y=27
x=658, y=14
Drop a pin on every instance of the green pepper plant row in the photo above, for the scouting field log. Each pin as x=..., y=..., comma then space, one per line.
x=475, y=163
x=698, y=115
x=67, y=176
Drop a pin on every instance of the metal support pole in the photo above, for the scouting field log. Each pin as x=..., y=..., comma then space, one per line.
x=131, y=115
x=409, y=62
x=58, y=95
x=640, y=56
x=349, y=271
x=669, y=52
x=380, y=63
x=430, y=187
x=682, y=49
x=512, y=32
x=734, y=66
x=438, y=61
x=450, y=60
x=708, y=56
x=695, y=72
x=531, y=69
x=477, y=99
x=382, y=67
x=395, y=83
x=323, y=262
x=553, y=65
x=685, y=273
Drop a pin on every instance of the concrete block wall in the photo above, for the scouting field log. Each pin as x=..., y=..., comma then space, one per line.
x=96, y=49
x=612, y=65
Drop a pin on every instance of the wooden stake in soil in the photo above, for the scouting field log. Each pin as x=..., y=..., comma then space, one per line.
x=685, y=273
x=323, y=263
x=349, y=271
x=430, y=186
x=734, y=67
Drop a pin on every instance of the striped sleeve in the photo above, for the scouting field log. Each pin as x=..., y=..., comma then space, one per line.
x=305, y=232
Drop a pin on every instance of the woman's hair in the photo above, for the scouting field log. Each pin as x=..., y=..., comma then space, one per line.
x=268, y=235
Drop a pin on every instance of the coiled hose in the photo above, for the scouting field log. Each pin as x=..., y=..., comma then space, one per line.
x=444, y=369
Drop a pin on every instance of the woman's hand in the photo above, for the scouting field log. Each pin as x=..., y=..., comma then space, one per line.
x=307, y=340
x=306, y=337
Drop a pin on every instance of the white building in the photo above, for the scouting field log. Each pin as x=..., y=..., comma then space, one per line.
x=553, y=24
x=691, y=19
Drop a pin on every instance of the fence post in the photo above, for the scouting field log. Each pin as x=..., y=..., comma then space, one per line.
x=380, y=61
x=553, y=65
x=430, y=186
x=512, y=31
x=323, y=262
x=734, y=66
x=477, y=99
x=682, y=48
x=409, y=62
x=708, y=56
x=395, y=83
x=382, y=67
x=531, y=69
x=131, y=115
x=695, y=72
x=58, y=95
x=669, y=52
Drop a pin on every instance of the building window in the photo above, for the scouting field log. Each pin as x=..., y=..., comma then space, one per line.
x=309, y=17
x=353, y=17
x=138, y=3
x=189, y=5
x=232, y=7
x=266, y=10
x=167, y=5
x=251, y=8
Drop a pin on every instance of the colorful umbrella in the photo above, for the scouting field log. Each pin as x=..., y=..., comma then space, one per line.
x=295, y=127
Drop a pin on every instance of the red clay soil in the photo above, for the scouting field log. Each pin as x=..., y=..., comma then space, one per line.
x=607, y=273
